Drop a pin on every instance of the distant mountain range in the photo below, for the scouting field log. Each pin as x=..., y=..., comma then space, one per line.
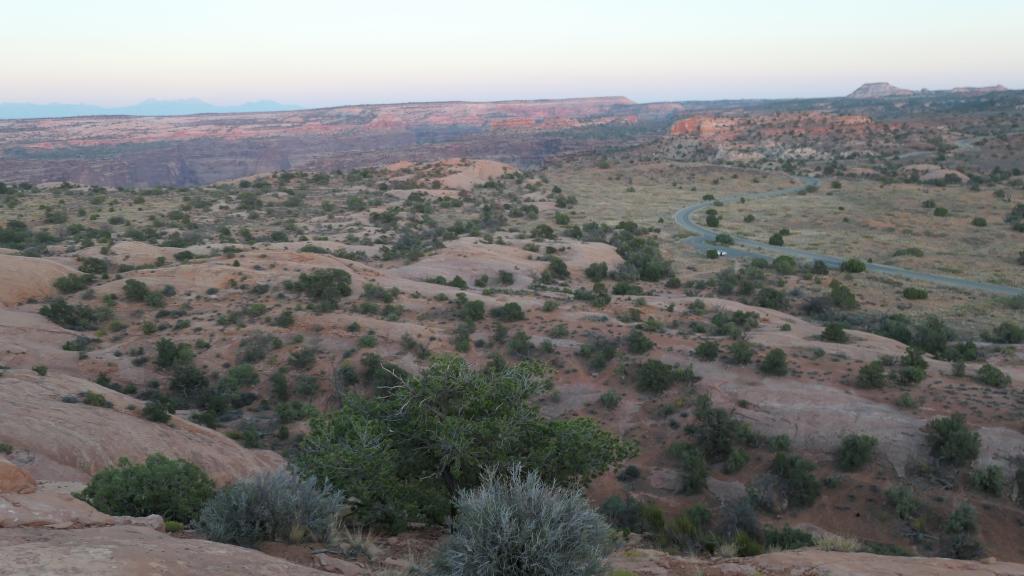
x=151, y=107
x=885, y=90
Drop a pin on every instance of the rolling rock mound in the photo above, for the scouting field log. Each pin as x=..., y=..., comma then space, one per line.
x=56, y=440
x=130, y=550
x=23, y=278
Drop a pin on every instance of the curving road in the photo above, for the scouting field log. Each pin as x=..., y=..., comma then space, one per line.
x=703, y=239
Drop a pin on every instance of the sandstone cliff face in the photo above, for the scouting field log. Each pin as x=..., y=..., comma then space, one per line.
x=186, y=150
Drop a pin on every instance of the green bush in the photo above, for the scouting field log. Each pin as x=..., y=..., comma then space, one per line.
x=174, y=489
x=853, y=266
x=156, y=411
x=834, y=332
x=1006, y=333
x=272, y=506
x=798, y=480
x=989, y=480
x=717, y=431
x=871, y=375
x=951, y=441
x=510, y=312
x=855, y=451
x=774, y=363
x=597, y=271
x=841, y=296
x=747, y=545
x=693, y=470
x=902, y=500
x=72, y=317
x=655, y=377
x=403, y=453
x=787, y=538
x=736, y=460
x=638, y=343
x=73, y=283
x=706, y=350
x=912, y=293
x=989, y=375
x=325, y=286
x=517, y=525
x=741, y=352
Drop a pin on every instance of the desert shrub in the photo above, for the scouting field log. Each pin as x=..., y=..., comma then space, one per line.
x=771, y=298
x=989, y=480
x=174, y=489
x=903, y=502
x=706, y=350
x=324, y=286
x=510, y=312
x=841, y=296
x=135, y=291
x=951, y=441
x=303, y=358
x=774, y=363
x=405, y=452
x=254, y=347
x=741, y=352
x=736, y=460
x=959, y=541
x=776, y=239
x=784, y=265
x=654, y=377
x=641, y=253
x=855, y=451
x=1006, y=333
x=610, y=400
x=716, y=430
x=156, y=411
x=271, y=506
x=798, y=480
x=73, y=283
x=693, y=470
x=989, y=375
x=853, y=265
x=632, y=515
x=834, y=332
x=979, y=222
x=787, y=538
x=517, y=525
x=72, y=317
x=912, y=293
x=638, y=343
x=871, y=375
x=598, y=352
x=747, y=545
x=597, y=271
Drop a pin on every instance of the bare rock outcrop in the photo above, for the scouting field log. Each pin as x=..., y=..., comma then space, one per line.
x=809, y=561
x=60, y=436
x=104, y=551
x=14, y=479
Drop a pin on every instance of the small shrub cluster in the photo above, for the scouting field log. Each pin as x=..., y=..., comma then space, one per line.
x=272, y=506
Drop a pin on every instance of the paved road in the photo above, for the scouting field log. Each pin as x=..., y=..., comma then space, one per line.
x=703, y=239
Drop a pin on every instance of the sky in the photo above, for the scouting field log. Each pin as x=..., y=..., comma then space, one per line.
x=324, y=53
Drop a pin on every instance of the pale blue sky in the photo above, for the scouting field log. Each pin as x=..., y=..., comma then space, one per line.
x=320, y=52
